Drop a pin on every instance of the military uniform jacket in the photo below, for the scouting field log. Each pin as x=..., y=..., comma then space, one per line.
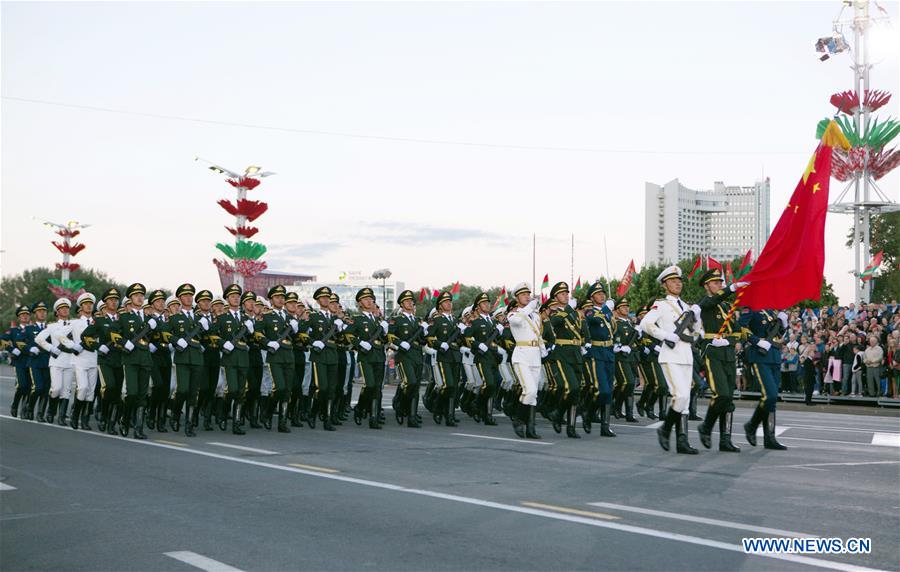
x=211, y=341
x=321, y=326
x=160, y=337
x=660, y=322
x=228, y=327
x=19, y=340
x=602, y=328
x=87, y=357
x=626, y=335
x=525, y=327
x=549, y=340
x=106, y=329
x=483, y=330
x=405, y=328
x=366, y=328
x=763, y=325
x=649, y=348
x=713, y=310
x=275, y=328
x=444, y=329
x=568, y=334
x=130, y=325
x=180, y=325
x=57, y=335
x=42, y=359
x=300, y=340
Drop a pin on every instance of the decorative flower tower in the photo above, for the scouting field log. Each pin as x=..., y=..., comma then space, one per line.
x=243, y=259
x=65, y=287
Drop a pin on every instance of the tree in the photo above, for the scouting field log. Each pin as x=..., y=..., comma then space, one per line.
x=885, y=235
x=31, y=286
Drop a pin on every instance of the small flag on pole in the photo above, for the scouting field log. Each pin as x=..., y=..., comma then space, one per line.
x=454, y=292
x=696, y=267
x=625, y=284
x=713, y=263
x=546, y=283
x=870, y=269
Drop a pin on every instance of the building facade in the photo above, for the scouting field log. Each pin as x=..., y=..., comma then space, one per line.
x=723, y=223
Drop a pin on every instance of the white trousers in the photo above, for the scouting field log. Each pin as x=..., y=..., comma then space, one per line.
x=678, y=379
x=61, y=381
x=508, y=379
x=529, y=377
x=85, y=383
x=307, y=375
x=473, y=380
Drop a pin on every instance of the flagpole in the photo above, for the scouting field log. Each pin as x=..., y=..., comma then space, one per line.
x=572, y=264
x=534, y=260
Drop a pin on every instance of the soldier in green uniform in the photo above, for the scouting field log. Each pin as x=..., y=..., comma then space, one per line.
x=323, y=358
x=278, y=328
x=444, y=337
x=235, y=330
x=292, y=305
x=484, y=333
x=625, y=342
x=161, y=370
x=109, y=361
x=547, y=402
x=650, y=369
x=569, y=360
x=186, y=327
x=407, y=334
x=135, y=328
x=368, y=332
x=255, y=359
x=209, y=379
x=343, y=389
x=717, y=351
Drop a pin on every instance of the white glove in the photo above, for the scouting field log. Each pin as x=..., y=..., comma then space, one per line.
x=583, y=351
x=719, y=342
x=445, y=346
x=482, y=348
x=573, y=303
x=181, y=343
x=128, y=345
x=502, y=352
x=465, y=351
x=34, y=350
x=553, y=347
x=639, y=330
x=544, y=352
x=611, y=305
x=617, y=348
x=696, y=310
x=430, y=351
x=626, y=349
x=249, y=325
x=646, y=351
x=339, y=324
x=78, y=348
x=734, y=287
x=54, y=351
x=462, y=328
x=152, y=349
x=365, y=345
x=152, y=323
x=671, y=337
x=204, y=323
x=500, y=328
x=424, y=327
x=784, y=319
x=103, y=349
x=273, y=345
x=385, y=326
x=318, y=344
x=16, y=352
x=587, y=346
x=404, y=345
x=656, y=348
x=228, y=346
x=295, y=325
x=764, y=344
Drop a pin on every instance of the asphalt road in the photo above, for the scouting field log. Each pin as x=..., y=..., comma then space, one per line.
x=439, y=498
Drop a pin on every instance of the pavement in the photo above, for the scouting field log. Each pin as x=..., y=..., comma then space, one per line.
x=439, y=498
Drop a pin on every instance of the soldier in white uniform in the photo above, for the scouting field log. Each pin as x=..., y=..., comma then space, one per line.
x=526, y=326
x=84, y=362
x=56, y=338
x=675, y=355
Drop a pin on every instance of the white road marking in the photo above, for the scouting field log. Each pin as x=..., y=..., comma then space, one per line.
x=529, y=441
x=656, y=425
x=665, y=535
x=201, y=562
x=243, y=448
x=5, y=487
x=811, y=465
x=778, y=430
x=886, y=439
x=702, y=520
x=843, y=429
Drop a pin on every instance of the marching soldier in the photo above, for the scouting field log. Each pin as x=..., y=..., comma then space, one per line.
x=235, y=330
x=56, y=339
x=109, y=361
x=324, y=359
x=484, y=333
x=343, y=391
x=19, y=342
x=444, y=338
x=278, y=327
x=84, y=362
x=295, y=310
x=135, y=328
x=368, y=332
x=406, y=333
x=763, y=357
x=525, y=326
x=161, y=359
x=38, y=364
x=667, y=321
x=209, y=379
x=185, y=327
x=602, y=328
x=256, y=344
x=625, y=339
x=650, y=367
x=569, y=359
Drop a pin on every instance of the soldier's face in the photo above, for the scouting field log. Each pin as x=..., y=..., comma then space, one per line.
x=408, y=305
x=334, y=306
x=446, y=306
x=714, y=287
x=250, y=306
x=204, y=305
x=174, y=308
x=291, y=307
x=367, y=304
x=159, y=305
x=484, y=307
x=87, y=308
x=218, y=309
x=137, y=300
x=40, y=315
x=562, y=298
x=599, y=298
x=24, y=318
x=234, y=299
x=323, y=301
x=187, y=300
x=63, y=313
x=673, y=286
x=622, y=310
x=112, y=304
x=523, y=299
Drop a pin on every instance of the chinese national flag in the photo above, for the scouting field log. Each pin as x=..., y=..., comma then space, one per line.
x=790, y=267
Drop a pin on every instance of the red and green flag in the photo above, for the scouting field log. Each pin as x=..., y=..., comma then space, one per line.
x=578, y=284
x=546, y=283
x=454, y=292
x=870, y=269
x=746, y=264
x=696, y=267
x=500, y=299
x=713, y=263
x=729, y=275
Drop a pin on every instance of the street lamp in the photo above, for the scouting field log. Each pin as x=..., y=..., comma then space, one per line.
x=383, y=274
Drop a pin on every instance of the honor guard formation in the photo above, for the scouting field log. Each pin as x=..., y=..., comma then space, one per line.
x=197, y=360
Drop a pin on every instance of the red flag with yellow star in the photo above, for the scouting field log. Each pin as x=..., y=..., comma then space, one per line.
x=791, y=265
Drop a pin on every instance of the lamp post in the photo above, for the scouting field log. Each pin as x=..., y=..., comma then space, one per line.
x=383, y=274
x=68, y=248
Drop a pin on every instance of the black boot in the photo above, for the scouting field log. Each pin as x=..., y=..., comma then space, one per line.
x=413, y=419
x=327, y=424
x=629, y=409
x=85, y=415
x=640, y=404
x=373, y=418
x=296, y=407
x=29, y=407
x=750, y=426
x=51, y=414
x=223, y=409
x=265, y=412
x=617, y=405
x=282, y=418
x=125, y=421
x=648, y=408
x=335, y=411
x=587, y=415
x=76, y=414
x=489, y=411
x=663, y=406
x=314, y=404
x=519, y=420
x=531, y=412
x=161, y=416
x=450, y=418
x=14, y=408
x=140, y=418
x=769, y=440
x=725, y=443
x=664, y=433
x=63, y=410
x=237, y=413
x=692, y=407
x=571, y=416
x=605, y=431
x=112, y=417
x=705, y=428
x=682, y=445
x=189, y=421
x=208, y=407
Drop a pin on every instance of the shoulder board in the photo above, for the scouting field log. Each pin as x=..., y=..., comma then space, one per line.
x=561, y=313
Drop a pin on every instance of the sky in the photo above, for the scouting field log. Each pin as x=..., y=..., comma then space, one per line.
x=430, y=138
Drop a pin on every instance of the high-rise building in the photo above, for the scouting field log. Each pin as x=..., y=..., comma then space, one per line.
x=723, y=223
